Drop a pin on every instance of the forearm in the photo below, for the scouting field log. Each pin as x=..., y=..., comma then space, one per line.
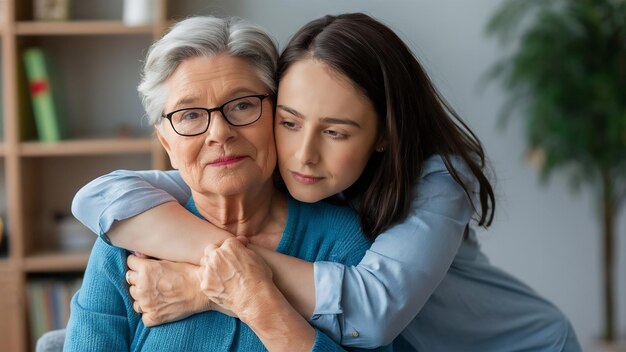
x=294, y=278
x=183, y=237
x=276, y=323
x=167, y=231
x=138, y=212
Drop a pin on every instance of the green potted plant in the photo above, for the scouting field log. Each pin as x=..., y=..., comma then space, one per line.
x=565, y=67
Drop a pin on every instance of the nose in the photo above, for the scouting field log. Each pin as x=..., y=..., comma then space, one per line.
x=308, y=150
x=220, y=131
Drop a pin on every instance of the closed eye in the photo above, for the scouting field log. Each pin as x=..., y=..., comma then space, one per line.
x=335, y=134
x=290, y=125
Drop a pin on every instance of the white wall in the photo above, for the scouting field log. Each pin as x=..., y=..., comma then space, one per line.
x=546, y=236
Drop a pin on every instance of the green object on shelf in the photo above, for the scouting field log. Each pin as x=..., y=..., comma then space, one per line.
x=44, y=109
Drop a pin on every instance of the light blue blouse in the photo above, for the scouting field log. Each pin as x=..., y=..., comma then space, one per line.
x=420, y=279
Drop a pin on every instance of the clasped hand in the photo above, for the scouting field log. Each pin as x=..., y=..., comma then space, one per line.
x=229, y=275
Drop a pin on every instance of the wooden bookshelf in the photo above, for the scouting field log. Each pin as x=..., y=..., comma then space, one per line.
x=5, y=264
x=40, y=178
x=3, y=17
x=55, y=262
x=79, y=28
x=87, y=147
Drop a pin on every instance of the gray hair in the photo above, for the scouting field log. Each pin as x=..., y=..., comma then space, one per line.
x=204, y=36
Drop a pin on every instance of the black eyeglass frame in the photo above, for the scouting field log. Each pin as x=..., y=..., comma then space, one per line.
x=220, y=108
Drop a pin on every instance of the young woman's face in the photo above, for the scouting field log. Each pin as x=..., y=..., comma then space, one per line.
x=325, y=129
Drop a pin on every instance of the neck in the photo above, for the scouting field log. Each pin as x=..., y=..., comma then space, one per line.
x=247, y=214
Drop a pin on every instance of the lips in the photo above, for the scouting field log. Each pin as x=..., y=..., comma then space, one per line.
x=226, y=160
x=306, y=179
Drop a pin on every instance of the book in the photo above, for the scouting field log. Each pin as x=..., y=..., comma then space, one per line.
x=44, y=110
x=48, y=302
x=36, y=310
x=48, y=305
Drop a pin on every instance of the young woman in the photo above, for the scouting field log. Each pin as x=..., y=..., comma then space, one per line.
x=423, y=179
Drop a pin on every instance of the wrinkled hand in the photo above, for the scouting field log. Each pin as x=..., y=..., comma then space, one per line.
x=232, y=275
x=165, y=291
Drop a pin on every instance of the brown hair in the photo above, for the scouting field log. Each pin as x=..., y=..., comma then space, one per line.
x=414, y=120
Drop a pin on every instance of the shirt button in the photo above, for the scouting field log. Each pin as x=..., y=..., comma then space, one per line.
x=355, y=333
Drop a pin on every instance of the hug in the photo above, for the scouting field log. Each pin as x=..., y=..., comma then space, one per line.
x=322, y=199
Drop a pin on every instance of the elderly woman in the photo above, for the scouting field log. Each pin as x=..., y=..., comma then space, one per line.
x=208, y=87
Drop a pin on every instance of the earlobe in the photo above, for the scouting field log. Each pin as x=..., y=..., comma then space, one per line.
x=381, y=145
x=166, y=146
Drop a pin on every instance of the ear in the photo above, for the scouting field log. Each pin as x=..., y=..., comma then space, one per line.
x=166, y=145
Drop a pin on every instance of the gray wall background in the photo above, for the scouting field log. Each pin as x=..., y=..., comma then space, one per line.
x=545, y=235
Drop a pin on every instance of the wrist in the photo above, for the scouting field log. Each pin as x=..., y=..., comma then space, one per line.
x=277, y=323
x=266, y=301
x=201, y=302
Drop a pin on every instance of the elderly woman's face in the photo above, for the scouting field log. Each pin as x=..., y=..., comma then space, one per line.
x=224, y=160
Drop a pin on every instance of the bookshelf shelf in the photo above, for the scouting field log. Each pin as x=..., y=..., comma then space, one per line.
x=56, y=262
x=5, y=264
x=80, y=28
x=88, y=147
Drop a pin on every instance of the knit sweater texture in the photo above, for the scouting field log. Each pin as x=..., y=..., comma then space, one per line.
x=102, y=317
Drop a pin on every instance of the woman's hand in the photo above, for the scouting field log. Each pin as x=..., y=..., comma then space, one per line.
x=236, y=278
x=233, y=276
x=165, y=291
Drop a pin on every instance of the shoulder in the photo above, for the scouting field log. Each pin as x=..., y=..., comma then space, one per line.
x=435, y=165
x=333, y=230
x=104, y=277
x=331, y=216
x=107, y=258
x=435, y=177
x=438, y=192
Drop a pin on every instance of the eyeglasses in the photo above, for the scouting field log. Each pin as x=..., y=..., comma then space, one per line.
x=238, y=112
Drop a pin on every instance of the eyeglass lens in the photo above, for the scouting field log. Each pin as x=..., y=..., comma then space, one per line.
x=238, y=112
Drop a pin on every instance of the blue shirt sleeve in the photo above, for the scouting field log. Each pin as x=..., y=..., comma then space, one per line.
x=123, y=194
x=395, y=278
